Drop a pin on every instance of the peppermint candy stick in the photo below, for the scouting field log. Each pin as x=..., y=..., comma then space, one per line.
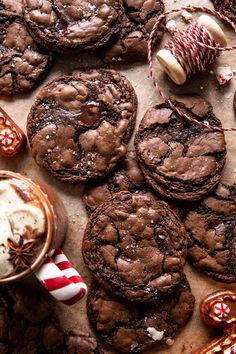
x=61, y=279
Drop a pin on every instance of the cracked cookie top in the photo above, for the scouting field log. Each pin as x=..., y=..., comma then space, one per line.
x=22, y=61
x=80, y=124
x=135, y=246
x=211, y=227
x=179, y=159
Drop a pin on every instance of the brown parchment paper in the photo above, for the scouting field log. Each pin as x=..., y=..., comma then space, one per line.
x=195, y=334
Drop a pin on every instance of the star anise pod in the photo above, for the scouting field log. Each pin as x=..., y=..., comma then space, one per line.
x=20, y=253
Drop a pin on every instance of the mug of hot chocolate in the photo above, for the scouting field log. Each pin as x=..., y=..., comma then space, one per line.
x=33, y=226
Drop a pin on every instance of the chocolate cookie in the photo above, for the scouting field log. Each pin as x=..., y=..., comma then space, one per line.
x=135, y=246
x=28, y=324
x=130, y=44
x=179, y=159
x=127, y=177
x=79, y=342
x=80, y=124
x=134, y=328
x=226, y=8
x=13, y=6
x=22, y=61
x=212, y=231
x=68, y=24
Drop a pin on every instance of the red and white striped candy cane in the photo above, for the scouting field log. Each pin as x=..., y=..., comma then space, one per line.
x=231, y=350
x=61, y=279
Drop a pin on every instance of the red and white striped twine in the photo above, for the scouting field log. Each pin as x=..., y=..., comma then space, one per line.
x=61, y=279
x=231, y=350
x=189, y=54
x=194, y=48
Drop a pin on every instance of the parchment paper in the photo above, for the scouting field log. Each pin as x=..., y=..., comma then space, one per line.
x=195, y=333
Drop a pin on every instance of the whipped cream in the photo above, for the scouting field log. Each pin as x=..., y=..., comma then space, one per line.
x=16, y=216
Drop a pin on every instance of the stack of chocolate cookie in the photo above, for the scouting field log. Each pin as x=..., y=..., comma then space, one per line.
x=135, y=244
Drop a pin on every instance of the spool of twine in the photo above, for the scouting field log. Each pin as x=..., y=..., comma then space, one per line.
x=194, y=49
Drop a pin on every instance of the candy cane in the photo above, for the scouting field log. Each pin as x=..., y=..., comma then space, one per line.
x=231, y=350
x=61, y=279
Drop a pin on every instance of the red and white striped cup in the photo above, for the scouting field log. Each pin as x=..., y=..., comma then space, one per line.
x=61, y=279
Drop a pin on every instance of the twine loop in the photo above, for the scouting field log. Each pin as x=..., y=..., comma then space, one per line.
x=194, y=48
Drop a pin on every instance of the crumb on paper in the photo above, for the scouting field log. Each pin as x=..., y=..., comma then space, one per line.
x=154, y=334
x=187, y=16
x=223, y=74
x=171, y=26
x=170, y=341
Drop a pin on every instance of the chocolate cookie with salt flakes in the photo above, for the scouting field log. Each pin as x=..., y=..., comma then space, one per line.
x=22, y=61
x=130, y=44
x=137, y=327
x=179, y=159
x=61, y=25
x=135, y=246
x=211, y=227
x=80, y=124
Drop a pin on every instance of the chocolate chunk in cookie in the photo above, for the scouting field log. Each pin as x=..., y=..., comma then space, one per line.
x=22, y=61
x=211, y=227
x=127, y=177
x=130, y=44
x=226, y=8
x=179, y=159
x=68, y=24
x=80, y=124
x=135, y=246
x=136, y=327
x=79, y=342
x=28, y=323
